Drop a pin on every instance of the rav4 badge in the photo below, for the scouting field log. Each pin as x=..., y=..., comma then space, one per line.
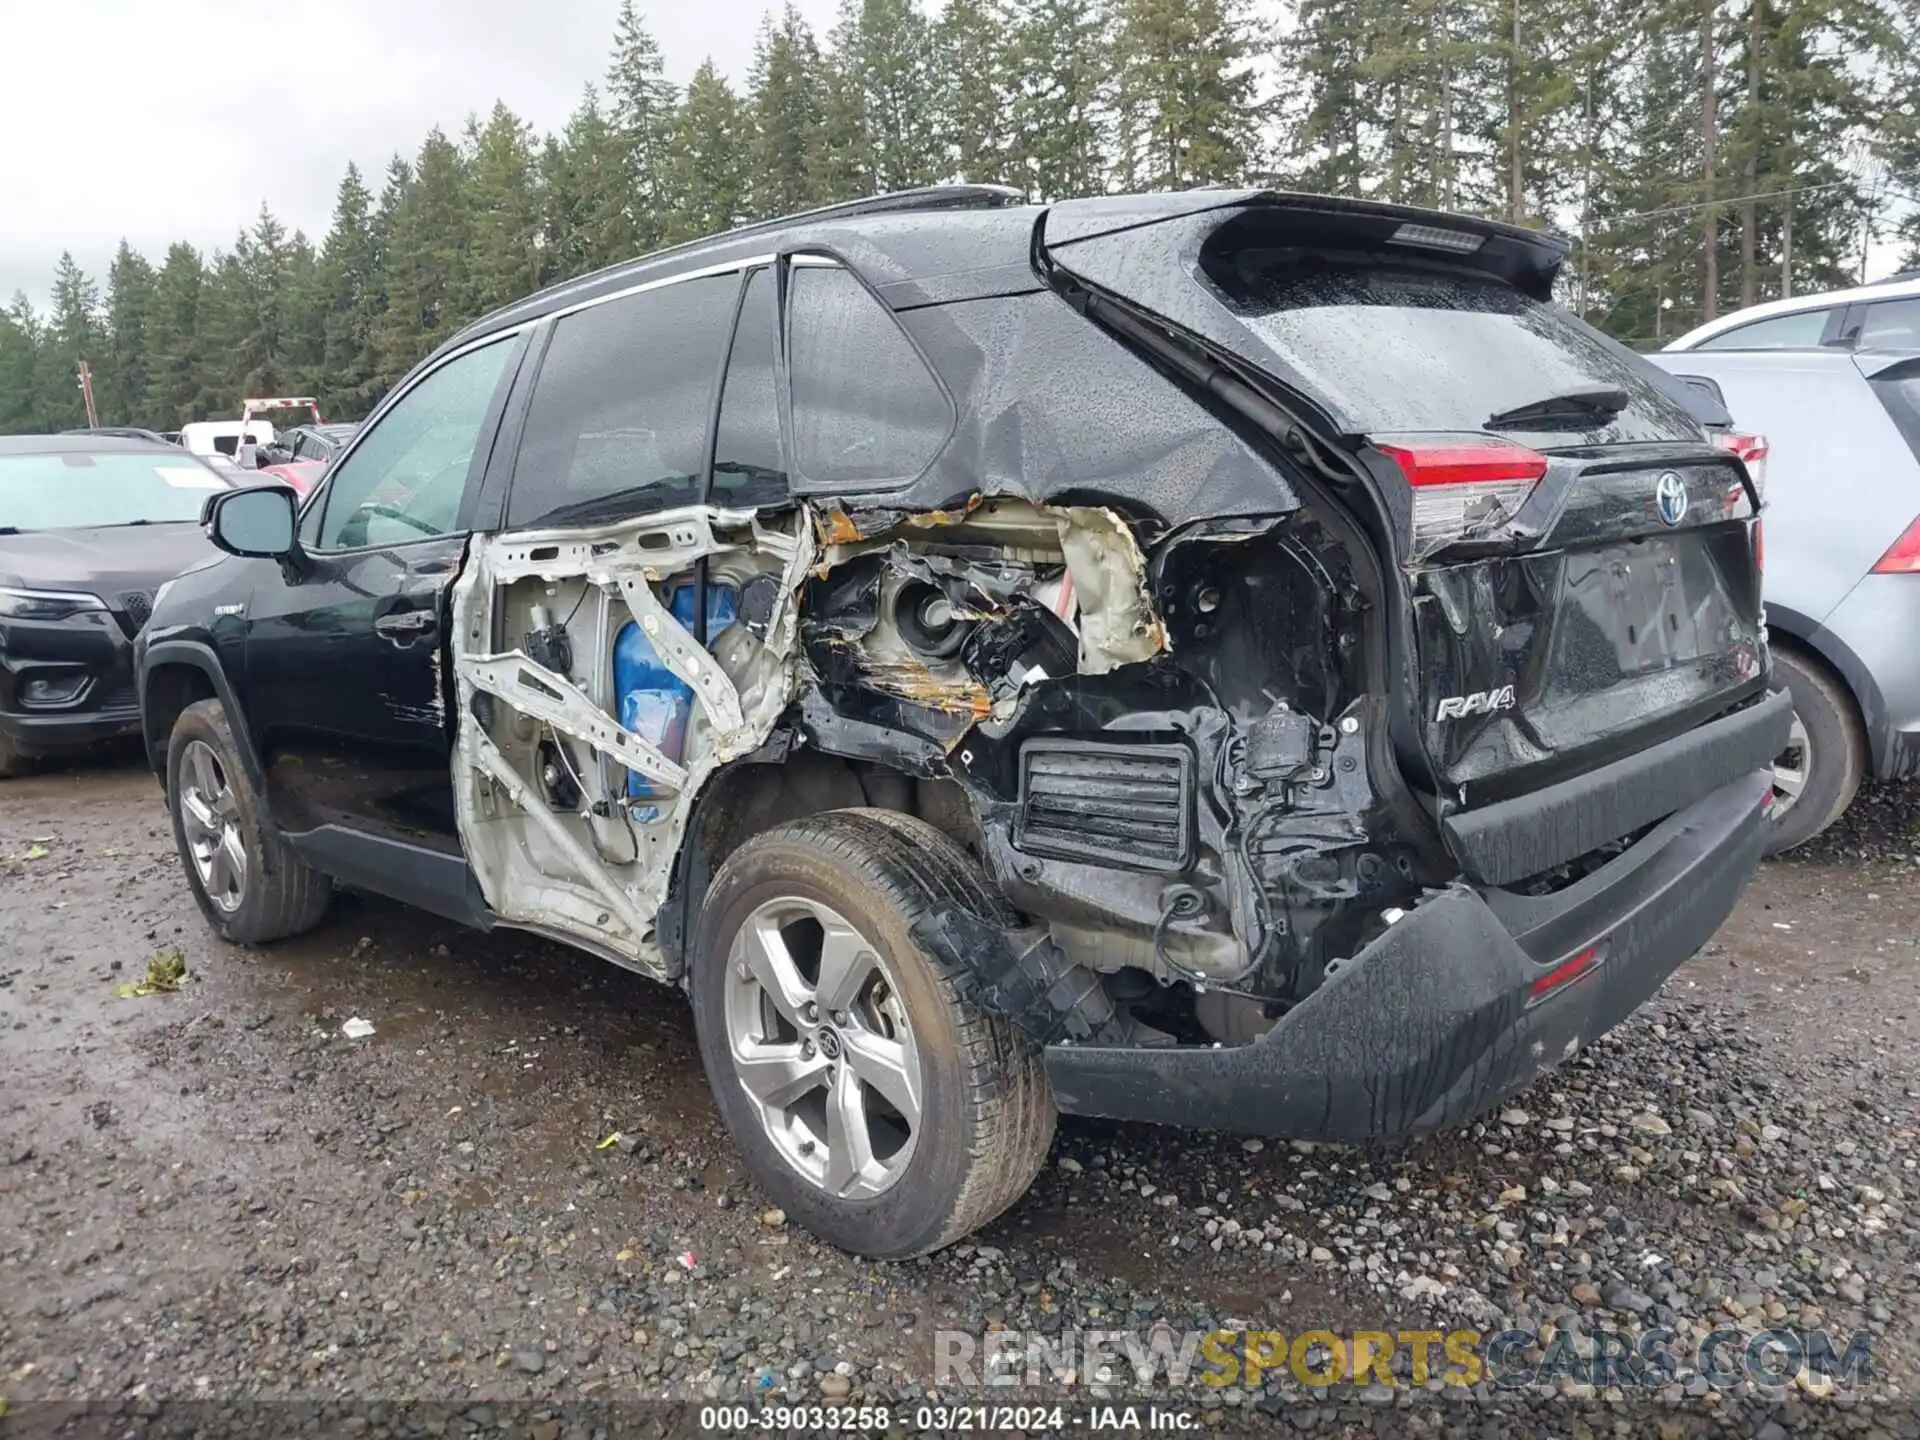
x=1480, y=702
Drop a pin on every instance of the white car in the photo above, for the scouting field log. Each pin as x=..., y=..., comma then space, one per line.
x=224, y=437
x=1881, y=316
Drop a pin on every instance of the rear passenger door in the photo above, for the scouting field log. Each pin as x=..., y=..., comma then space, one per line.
x=620, y=420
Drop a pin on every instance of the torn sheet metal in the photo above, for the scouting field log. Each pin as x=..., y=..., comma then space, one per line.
x=1118, y=624
x=539, y=849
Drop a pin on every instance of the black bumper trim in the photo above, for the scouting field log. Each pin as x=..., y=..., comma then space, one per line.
x=1435, y=1021
x=57, y=730
x=1531, y=834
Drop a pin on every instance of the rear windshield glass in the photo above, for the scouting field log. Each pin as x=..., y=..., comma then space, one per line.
x=1395, y=350
x=69, y=491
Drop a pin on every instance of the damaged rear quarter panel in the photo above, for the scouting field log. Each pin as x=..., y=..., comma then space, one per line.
x=1054, y=410
x=540, y=752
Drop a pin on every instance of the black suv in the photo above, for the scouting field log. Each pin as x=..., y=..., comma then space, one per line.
x=1229, y=659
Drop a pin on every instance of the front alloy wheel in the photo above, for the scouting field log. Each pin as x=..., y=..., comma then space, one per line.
x=822, y=1045
x=210, y=822
x=246, y=879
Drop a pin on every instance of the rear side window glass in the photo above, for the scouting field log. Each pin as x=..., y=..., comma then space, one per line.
x=618, y=420
x=866, y=410
x=1799, y=331
x=1398, y=350
x=749, y=461
x=1891, y=325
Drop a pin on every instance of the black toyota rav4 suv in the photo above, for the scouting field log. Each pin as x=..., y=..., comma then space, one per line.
x=1234, y=659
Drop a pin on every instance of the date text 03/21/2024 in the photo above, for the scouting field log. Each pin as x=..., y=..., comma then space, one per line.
x=942, y=1419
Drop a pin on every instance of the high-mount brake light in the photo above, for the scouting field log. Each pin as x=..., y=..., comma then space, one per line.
x=1464, y=489
x=1437, y=237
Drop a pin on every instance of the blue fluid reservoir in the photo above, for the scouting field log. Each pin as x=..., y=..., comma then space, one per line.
x=655, y=702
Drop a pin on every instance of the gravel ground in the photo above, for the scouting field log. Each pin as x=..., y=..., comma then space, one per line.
x=215, y=1195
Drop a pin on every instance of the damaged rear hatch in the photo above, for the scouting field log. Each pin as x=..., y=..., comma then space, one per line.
x=1576, y=562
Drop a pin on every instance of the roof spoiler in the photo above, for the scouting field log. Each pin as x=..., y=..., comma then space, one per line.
x=1255, y=227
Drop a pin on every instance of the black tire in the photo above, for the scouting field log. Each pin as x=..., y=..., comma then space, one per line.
x=281, y=895
x=1835, y=752
x=987, y=1112
x=12, y=762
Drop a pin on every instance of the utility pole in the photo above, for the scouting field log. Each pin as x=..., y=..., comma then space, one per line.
x=86, y=394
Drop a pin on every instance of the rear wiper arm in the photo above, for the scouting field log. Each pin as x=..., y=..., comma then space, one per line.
x=1597, y=406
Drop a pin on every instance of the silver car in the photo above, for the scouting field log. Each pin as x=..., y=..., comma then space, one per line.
x=1842, y=538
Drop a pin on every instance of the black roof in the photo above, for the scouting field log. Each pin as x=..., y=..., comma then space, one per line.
x=956, y=242
x=912, y=235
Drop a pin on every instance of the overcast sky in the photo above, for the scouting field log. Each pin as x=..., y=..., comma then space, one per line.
x=164, y=120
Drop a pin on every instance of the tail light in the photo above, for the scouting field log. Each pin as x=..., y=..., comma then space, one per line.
x=1903, y=556
x=1752, y=450
x=1464, y=489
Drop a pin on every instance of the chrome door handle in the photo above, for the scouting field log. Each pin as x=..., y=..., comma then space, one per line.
x=406, y=625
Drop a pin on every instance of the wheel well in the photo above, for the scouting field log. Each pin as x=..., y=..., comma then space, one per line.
x=170, y=689
x=746, y=799
x=1801, y=651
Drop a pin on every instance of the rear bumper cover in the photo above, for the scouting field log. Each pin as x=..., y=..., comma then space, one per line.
x=1528, y=835
x=1437, y=1020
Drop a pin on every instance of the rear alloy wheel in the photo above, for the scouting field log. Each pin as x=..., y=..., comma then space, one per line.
x=822, y=1044
x=1792, y=768
x=870, y=1098
x=1816, y=775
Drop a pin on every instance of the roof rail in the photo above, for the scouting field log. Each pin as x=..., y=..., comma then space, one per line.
x=926, y=197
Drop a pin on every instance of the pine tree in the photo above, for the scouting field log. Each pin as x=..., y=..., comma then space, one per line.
x=976, y=89
x=786, y=104
x=1186, y=90
x=883, y=51
x=1433, y=76
x=122, y=386
x=254, y=284
x=347, y=283
x=424, y=223
x=504, y=261
x=1539, y=50
x=643, y=102
x=173, y=361
x=1327, y=62
x=703, y=166
x=1647, y=259
x=20, y=340
x=583, y=195
x=1061, y=50
x=304, y=316
x=73, y=334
